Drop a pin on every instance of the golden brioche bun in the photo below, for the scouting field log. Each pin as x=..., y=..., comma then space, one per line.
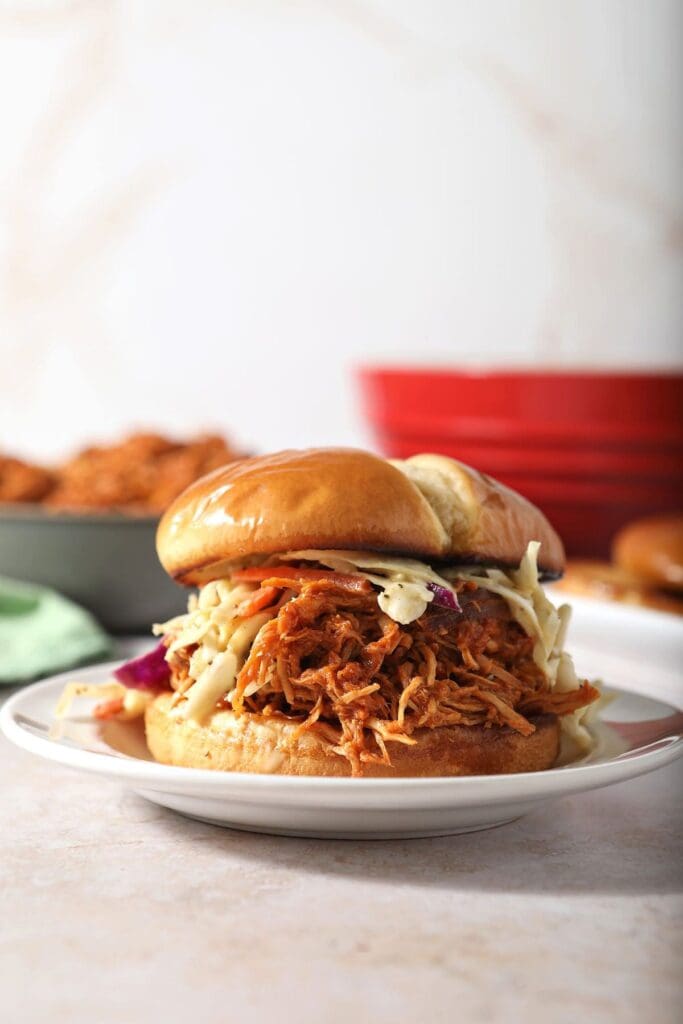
x=606, y=582
x=652, y=550
x=429, y=507
x=254, y=743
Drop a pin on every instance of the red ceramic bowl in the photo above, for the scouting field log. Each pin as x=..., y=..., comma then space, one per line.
x=588, y=528
x=581, y=461
x=538, y=406
x=593, y=450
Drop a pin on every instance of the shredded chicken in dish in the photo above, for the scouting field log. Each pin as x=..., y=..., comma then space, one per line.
x=318, y=649
x=141, y=474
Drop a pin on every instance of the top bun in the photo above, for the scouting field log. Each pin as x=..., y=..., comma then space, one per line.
x=427, y=507
x=652, y=549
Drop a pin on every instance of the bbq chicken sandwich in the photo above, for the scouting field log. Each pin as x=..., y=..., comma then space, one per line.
x=358, y=616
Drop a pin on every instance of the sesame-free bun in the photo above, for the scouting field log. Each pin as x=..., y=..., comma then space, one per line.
x=652, y=550
x=254, y=743
x=428, y=507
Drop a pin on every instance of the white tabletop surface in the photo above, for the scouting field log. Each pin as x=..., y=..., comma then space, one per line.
x=114, y=910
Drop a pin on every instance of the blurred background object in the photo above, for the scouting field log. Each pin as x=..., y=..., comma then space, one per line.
x=646, y=567
x=106, y=562
x=210, y=214
x=42, y=633
x=653, y=550
x=86, y=528
x=593, y=450
x=141, y=474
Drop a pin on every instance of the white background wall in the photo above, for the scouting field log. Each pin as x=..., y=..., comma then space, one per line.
x=210, y=211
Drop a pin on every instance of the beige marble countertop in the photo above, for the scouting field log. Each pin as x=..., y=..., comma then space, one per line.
x=115, y=911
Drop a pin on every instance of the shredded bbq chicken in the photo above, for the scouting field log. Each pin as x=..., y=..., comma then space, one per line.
x=333, y=661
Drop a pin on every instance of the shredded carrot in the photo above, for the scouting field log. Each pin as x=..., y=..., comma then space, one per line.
x=265, y=573
x=256, y=601
x=108, y=708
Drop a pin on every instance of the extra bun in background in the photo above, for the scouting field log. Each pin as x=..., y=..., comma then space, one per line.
x=647, y=570
x=652, y=550
x=603, y=581
x=254, y=743
x=428, y=507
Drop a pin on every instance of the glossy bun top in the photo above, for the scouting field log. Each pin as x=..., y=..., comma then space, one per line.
x=428, y=507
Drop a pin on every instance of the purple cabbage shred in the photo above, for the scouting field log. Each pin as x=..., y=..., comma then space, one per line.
x=443, y=597
x=148, y=672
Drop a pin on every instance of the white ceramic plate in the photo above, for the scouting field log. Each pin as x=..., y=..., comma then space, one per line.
x=636, y=734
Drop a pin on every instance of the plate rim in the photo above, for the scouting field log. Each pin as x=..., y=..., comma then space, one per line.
x=134, y=770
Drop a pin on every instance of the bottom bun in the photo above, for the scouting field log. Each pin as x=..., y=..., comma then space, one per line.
x=253, y=743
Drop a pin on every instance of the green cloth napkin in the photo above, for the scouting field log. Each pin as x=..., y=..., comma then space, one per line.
x=42, y=632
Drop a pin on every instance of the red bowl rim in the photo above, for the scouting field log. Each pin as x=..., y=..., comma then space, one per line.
x=625, y=414
x=373, y=371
